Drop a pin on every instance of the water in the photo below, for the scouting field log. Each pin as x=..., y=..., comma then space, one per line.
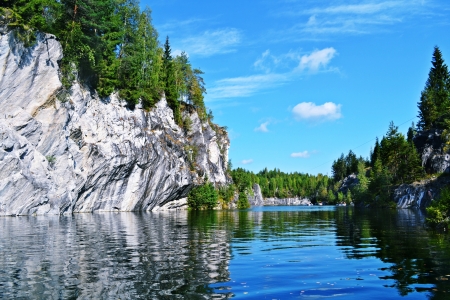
x=263, y=253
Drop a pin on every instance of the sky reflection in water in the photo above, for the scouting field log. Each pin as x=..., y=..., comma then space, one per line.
x=270, y=252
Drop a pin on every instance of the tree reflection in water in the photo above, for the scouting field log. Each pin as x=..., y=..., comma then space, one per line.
x=204, y=254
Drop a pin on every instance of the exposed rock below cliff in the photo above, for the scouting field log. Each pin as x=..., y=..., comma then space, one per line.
x=287, y=201
x=73, y=152
x=348, y=183
x=419, y=194
x=257, y=198
x=430, y=147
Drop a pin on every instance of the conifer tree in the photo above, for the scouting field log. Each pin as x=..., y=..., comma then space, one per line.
x=170, y=88
x=434, y=104
x=375, y=153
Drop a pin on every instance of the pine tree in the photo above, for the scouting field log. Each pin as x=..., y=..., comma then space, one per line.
x=339, y=168
x=434, y=104
x=375, y=153
x=411, y=133
x=170, y=88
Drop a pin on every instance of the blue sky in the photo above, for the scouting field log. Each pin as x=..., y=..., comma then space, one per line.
x=298, y=82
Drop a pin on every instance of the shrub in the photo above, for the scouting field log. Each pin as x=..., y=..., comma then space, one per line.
x=438, y=213
x=242, y=202
x=203, y=197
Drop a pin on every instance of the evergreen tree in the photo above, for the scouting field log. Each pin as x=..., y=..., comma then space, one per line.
x=339, y=168
x=411, y=133
x=434, y=102
x=170, y=87
x=375, y=153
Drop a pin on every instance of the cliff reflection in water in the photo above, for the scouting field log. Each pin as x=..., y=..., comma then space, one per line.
x=272, y=252
x=100, y=256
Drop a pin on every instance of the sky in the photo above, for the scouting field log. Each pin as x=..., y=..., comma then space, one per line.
x=298, y=82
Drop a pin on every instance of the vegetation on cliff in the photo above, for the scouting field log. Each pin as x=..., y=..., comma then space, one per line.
x=110, y=45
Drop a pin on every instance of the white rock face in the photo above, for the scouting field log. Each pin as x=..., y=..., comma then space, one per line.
x=257, y=198
x=420, y=194
x=287, y=201
x=88, y=154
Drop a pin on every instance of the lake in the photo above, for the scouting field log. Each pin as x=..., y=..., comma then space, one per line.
x=262, y=253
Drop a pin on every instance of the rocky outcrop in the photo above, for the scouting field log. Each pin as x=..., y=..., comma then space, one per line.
x=430, y=146
x=287, y=201
x=348, y=183
x=256, y=199
x=419, y=194
x=70, y=151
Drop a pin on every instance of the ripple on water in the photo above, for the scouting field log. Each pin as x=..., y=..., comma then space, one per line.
x=278, y=253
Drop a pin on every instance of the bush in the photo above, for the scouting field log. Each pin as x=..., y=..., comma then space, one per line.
x=242, y=202
x=203, y=197
x=438, y=213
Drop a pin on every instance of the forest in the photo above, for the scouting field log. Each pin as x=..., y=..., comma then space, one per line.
x=111, y=46
x=393, y=160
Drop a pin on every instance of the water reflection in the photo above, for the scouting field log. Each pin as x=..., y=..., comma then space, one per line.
x=416, y=260
x=281, y=252
x=100, y=256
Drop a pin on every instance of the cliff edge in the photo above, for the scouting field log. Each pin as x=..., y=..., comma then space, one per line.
x=71, y=151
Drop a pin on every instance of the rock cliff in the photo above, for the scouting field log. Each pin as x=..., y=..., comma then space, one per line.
x=70, y=151
x=420, y=194
x=435, y=161
x=430, y=147
x=256, y=199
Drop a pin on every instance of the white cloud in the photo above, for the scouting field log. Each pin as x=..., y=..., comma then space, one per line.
x=261, y=63
x=245, y=86
x=317, y=59
x=212, y=42
x=303, y=154
x=311, y=111
x=365, y=8
x=342, y=18
x=246, y=161
x=263, y=127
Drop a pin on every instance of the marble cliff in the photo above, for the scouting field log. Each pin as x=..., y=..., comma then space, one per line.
x=71, y=151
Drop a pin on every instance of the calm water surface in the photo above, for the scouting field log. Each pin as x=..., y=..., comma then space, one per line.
x=263, y=253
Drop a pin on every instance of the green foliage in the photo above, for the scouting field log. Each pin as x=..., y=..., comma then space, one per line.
x=110, y=46
x=51, y=159
x=435, y=98
x=243, y=179
x=393, y=161
x=331, y=198
x=242, y=202
x=438, y=213
x=340, y=197
x=360, y=192
x=170, y=86
x=191, y=152
x=226, y=194
x=345, y=165
x=203, y=197
x=282, y=185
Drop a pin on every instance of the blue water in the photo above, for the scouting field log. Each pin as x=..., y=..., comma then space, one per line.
x=262, y=253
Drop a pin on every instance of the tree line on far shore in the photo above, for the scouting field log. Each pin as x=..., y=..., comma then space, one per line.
x=394, y=159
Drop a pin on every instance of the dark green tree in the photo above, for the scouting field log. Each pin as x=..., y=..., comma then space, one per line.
x=242, y=202
x=375, y=153
x=170, y=86
x=339, y=168
x=435, y=98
